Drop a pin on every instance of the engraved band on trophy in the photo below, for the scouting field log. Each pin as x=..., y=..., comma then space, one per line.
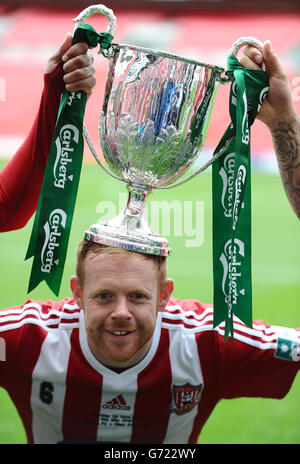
x=152, y=127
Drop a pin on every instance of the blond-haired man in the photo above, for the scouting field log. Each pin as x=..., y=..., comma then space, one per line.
x=124, y=361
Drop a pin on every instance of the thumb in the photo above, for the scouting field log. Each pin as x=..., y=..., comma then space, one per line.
x=56, y=58
x=273, y=65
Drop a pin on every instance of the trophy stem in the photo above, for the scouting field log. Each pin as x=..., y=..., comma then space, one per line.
x=133, y=214
x=130, y=229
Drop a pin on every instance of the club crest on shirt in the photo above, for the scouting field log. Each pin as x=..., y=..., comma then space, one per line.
x=185, y=398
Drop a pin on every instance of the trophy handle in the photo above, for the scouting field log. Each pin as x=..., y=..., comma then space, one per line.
x=79, y=20
x=247, y=41
x=97, y=9
x=234, y=51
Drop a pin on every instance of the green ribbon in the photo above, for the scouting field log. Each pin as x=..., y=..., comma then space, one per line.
x=52, y=225
x=231, y=187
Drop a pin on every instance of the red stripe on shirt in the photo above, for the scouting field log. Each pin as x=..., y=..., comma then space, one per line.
x=82, y=398
x=47, y=316
x=151, y=415
x=50, y=321
x=182, y=322
x=28, y=344
x=181, y=318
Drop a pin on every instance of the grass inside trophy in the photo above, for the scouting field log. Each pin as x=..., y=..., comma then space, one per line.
x=152, y=127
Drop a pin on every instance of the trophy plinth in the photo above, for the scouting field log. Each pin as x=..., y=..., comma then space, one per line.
x=130, y=229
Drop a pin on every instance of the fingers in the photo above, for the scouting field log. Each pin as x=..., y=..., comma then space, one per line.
x=249, y=63
x=79, y=70
x=78, y=66
x=64, y=46
x=80, y=48
x=56, y=58
x=252, y=58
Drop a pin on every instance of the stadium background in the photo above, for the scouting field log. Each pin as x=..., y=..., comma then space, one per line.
x=204, y=30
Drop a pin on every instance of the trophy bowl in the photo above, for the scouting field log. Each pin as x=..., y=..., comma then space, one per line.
x=155, y=115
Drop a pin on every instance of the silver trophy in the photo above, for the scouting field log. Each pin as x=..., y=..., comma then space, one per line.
x=152, y=128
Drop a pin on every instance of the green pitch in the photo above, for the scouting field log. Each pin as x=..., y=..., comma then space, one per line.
x=276, y=284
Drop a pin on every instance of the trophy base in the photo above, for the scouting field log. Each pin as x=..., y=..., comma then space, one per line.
x=132, y=240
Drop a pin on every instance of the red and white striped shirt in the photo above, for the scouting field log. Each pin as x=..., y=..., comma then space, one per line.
x=63, y=393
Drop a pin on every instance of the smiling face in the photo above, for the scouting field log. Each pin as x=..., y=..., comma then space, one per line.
x=121, y=296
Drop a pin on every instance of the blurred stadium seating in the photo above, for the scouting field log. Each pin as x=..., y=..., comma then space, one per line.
x=204, y=30
x=183, y=5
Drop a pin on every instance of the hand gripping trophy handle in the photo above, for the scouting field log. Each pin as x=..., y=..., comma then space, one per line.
x=242, y=41
x=111, y=27
x=97, y=9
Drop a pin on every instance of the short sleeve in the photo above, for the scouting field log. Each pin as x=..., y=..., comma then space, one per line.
x=260, y=361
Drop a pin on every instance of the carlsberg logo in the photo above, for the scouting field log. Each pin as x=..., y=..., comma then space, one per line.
x=239, y=187
x=231, y=259
x=232, y=189
x=68, y=136
x=57, y=219
x=227, y=174
x=245, y=129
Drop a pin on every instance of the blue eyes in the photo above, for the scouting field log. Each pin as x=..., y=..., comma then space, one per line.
x=105, y=296
x=138, y=296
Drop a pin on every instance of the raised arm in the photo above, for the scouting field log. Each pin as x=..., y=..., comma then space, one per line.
x=279, y=114
x=21, y=179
